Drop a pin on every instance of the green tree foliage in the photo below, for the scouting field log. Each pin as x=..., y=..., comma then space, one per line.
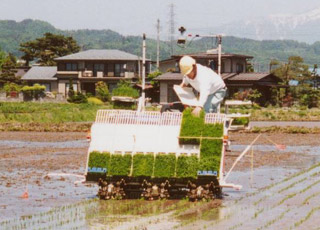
x=102, y=91
x=78, y=98
x=8, y=71
x=12, y=33
x=293, y=69
x=11, y=87
x=308, y=96
x=125, y=89
x=47, y=48
x=152, y=76
x=2, y=58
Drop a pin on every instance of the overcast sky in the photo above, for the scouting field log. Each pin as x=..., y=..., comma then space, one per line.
x=133, y=17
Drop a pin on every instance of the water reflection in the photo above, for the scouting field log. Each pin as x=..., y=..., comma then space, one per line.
x=112, y=214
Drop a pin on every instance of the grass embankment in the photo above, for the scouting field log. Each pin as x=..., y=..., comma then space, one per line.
x=281, y=114
x=28, y=116
x=63, y=117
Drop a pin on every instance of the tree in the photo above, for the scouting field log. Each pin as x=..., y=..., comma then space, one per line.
x=249, y=68
x=47, y=48
x=8, y=71
x=294, y=69
x=2, y=57
x=315, y=76
x=102, y=91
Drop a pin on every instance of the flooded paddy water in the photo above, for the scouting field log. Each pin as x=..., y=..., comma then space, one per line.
x=281, y=189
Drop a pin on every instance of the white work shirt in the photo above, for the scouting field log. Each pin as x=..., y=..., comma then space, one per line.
x=206, y=82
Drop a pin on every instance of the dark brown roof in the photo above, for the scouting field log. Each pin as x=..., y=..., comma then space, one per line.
x=205, y=55
x=248, y=76
x=226, y=76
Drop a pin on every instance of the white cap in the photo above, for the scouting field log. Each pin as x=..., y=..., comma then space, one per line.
x=186, y=64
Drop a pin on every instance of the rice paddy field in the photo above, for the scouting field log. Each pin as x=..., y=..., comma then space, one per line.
x=281, y=188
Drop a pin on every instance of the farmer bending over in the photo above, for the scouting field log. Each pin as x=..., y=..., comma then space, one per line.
x=203, y=79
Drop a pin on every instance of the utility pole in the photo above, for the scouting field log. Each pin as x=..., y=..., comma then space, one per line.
x=158, y=43
x=171, y=28
x=143, y=70
x=219, y=37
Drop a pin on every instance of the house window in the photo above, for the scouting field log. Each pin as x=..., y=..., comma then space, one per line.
x=71, y=66
x=97, y=68
x=118, y=70
x=48, y=86
x=239, y=68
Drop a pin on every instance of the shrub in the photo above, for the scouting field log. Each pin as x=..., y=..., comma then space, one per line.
x=35, y=91
x=165, y=165
x=99, y=160
x=125, y=89
x=310, y=98
x=187, y=166
x=120, y=165
x=191, y=126
x=241, y=121
x=102, y=91
x=78, y=98
x=251, y=94
x=143, y=164
x=95, y=101
x=11, y=87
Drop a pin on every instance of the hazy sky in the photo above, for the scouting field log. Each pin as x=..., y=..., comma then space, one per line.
x=138, y=16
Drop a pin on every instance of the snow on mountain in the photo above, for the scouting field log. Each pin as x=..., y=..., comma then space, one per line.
x=303, y=27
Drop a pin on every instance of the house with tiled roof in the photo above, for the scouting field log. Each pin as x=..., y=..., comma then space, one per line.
x=43, y=75
x=233, y=72
x=84, y=69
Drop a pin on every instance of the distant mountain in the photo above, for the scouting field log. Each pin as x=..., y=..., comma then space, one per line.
x=303, y=27
x=13, y=33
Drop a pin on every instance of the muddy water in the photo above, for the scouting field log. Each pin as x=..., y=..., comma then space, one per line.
x=274, y=196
